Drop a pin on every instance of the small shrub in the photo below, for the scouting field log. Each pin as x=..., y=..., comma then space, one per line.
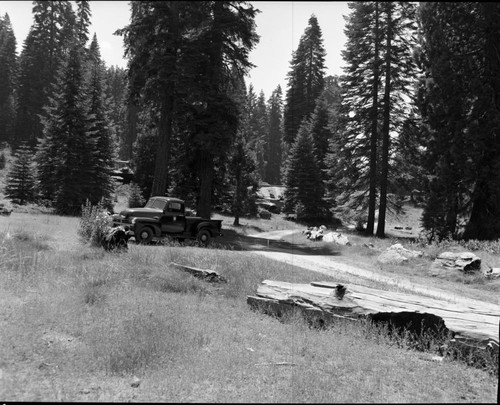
x=94, y=222
x=135, y=198
x=264, y=214
x=2, y=160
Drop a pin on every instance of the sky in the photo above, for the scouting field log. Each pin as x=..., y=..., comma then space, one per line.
x=280, y=25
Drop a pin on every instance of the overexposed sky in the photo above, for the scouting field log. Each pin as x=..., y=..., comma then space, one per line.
x=280, y=26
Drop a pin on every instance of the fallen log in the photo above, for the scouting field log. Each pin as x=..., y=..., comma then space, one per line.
x=207, y=275
x=320, y=302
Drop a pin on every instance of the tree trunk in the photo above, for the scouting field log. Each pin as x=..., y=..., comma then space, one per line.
x=206, y=174
x=484, y=221
x=131, y=134
x=237, y=201
x=384, y=172
x=374, y=132
x=160, y=181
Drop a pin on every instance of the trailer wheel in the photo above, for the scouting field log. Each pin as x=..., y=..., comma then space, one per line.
x=204, y=237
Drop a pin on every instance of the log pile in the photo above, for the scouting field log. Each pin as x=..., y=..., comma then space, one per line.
x=321, y=303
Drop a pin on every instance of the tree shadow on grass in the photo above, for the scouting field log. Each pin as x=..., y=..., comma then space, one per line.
x=236, y=241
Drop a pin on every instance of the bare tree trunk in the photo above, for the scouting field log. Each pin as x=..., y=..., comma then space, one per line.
x=374, y=133
x=206, y=174
x=384, y=172
x=160, y=181
x=131, y=134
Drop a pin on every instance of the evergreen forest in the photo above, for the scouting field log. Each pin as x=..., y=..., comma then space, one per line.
x=416, y=112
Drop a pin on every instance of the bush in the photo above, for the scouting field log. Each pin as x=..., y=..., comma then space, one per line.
x=264, y=214
x=2, y=160
x=135, y=198
x=94, y=222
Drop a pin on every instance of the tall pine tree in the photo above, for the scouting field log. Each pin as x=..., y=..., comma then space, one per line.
x=65, y=154
x=8, y=76
x=44, y=49
x=304, y=189
x=275, y=137
x=101, y=135
x=460, y=110
x=380, y=39
x=305, y=79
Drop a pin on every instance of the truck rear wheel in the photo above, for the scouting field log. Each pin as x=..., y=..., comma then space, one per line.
x=204, y=236
x=144, y=235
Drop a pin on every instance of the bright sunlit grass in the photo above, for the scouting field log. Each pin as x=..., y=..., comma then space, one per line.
x=78, y=323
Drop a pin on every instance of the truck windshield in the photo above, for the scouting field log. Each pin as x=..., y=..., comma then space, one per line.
x=158, y=204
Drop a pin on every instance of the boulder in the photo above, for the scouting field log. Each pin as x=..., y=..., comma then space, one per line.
x=452, y=261
x=492, y=273
x=336, y=237
x=397, y=254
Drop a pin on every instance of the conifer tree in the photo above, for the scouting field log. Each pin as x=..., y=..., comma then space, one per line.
x=116, y=95
x=65, y=154
x=83, y=16
x=44, y=49
x=101, y=136
x=275, y=136
x=8, y=76
x=380, y=39
x=305, y=79
x=460, y=111
x=304, y=189
x=144, y=148
x=242, y=168
x=20, y=182
x=257, y=132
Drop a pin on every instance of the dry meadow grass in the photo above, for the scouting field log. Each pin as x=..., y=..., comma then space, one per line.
x=80, y=324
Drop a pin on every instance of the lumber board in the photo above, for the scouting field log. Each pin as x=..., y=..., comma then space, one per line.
x=477, y=322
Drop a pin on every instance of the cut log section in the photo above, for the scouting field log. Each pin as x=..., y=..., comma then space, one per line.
x=203, y=274
x=473, y=325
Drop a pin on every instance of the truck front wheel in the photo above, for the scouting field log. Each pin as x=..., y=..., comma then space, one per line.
x=144, y=235
x=204, y=236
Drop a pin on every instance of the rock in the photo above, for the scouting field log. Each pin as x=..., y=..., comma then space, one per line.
x=492, y=273
x=465, y=262
x=135, y=382
x=397, y=254
x=336, y=237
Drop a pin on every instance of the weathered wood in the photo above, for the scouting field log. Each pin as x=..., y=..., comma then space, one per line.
x=476, y=323
x=207, y=275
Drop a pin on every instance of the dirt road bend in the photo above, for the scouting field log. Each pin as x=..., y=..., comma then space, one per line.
x=332, y=265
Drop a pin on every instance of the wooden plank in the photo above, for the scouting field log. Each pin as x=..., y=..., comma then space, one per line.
x=204, y=274
x=476, y=322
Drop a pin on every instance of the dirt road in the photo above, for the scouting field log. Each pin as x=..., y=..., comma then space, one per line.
x=332, y=265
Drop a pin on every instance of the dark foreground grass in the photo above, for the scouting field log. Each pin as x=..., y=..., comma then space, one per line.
x=92, y=326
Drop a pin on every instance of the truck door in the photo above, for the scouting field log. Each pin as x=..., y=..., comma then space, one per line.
x=173, y=219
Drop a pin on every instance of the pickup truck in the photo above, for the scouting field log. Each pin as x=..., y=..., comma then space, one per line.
x=166, y=216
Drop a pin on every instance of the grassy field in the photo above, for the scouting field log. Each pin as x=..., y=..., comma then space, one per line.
x=81, y=324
